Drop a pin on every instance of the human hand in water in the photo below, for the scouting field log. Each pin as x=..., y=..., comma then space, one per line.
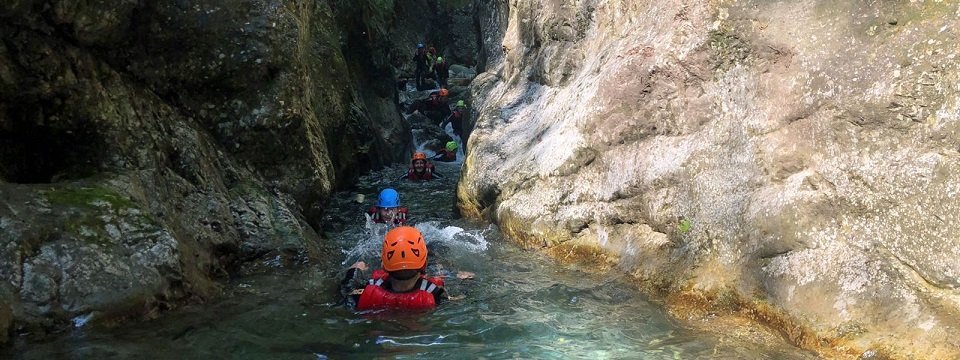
x=465, y=275
x=359, y=265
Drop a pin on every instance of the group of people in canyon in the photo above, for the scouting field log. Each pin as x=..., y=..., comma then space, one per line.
x=402, y=282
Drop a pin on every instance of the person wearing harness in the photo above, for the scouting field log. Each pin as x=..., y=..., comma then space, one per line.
x=456, y=118
x=448, y=154
x=436, y=102
x=401, y=283
x=388, y=210
x=420, y=60
x=442, y=69
x=420, y=169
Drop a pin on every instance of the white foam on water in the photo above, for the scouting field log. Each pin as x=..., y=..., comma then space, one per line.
x=472, y=241
x=80, y=321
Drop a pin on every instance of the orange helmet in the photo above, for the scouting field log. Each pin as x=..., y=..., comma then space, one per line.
x=403, y=249
x=419, y=156
x=444, y=92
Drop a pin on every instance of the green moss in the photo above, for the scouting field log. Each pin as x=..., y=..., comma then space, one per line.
x=727, y=49
x=90, y=217
x=684, y=226
x=87, y=197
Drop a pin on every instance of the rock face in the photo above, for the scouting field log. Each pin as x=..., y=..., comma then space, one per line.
x=799, y=157
x=149, y=148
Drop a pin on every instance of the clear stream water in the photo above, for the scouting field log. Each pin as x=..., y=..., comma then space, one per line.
x=519, y=305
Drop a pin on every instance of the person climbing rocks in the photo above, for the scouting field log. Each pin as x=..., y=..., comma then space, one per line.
x=420, y=169
x=456, y=118
x=436, y=102
x=401, y=283
x=442, y=69
x=388, y=210
x=448, y=153
x=421, y=61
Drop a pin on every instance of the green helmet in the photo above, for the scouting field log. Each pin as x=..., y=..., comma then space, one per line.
x=460, y=103
x=439, y=59
x=451, y=145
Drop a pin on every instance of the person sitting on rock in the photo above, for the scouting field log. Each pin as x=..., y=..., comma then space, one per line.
x=402, y=283
x=456, y=118
x=420, y=169
x=442, y=69
x=388, y=210
x=447, y=154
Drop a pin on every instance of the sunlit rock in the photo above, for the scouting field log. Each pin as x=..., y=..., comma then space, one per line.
x=801, y=157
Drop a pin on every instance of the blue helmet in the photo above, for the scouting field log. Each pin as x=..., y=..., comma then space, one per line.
x=389, y=198
x=420, y=46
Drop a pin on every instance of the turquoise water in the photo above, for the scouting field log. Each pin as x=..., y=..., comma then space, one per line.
x=519, y=305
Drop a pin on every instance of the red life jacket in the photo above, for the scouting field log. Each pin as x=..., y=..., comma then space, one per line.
x=375, y=296
x=435, y=99
x=427, y=173
x=399, y=219
x=449, y=155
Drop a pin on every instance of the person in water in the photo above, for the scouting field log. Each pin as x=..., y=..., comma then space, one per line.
x=401, y=283
x=456, y=118
x=388, y=210
x=420, y=169
x=448, y=154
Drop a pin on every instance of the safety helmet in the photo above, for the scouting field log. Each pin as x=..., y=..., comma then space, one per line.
x=460, y=103
x=389, y=198
x=403, y=249
x=439, y=59
x=444, y=92
x=420, y=46
x=451, y=145
x=419, y=156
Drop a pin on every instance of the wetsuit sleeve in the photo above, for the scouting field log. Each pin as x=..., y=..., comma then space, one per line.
x=440, y=295
x=351, y=283
x=403, y=177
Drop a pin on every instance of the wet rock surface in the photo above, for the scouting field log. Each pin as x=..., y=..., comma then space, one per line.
x=152, y=149
x=799, y=160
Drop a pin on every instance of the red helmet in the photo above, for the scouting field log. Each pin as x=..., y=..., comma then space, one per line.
x=403, y=249
x=419, y=156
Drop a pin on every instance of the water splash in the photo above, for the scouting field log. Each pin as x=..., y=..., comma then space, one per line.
x=456, y=238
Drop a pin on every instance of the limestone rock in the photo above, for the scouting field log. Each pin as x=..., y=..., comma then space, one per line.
x=809, y=147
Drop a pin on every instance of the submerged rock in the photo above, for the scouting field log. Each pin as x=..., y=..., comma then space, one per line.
x=799, y=159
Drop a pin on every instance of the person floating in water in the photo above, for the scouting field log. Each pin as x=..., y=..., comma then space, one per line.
x=420, y=169
x=448, y=154
x=402, y=283
x=388, y=210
